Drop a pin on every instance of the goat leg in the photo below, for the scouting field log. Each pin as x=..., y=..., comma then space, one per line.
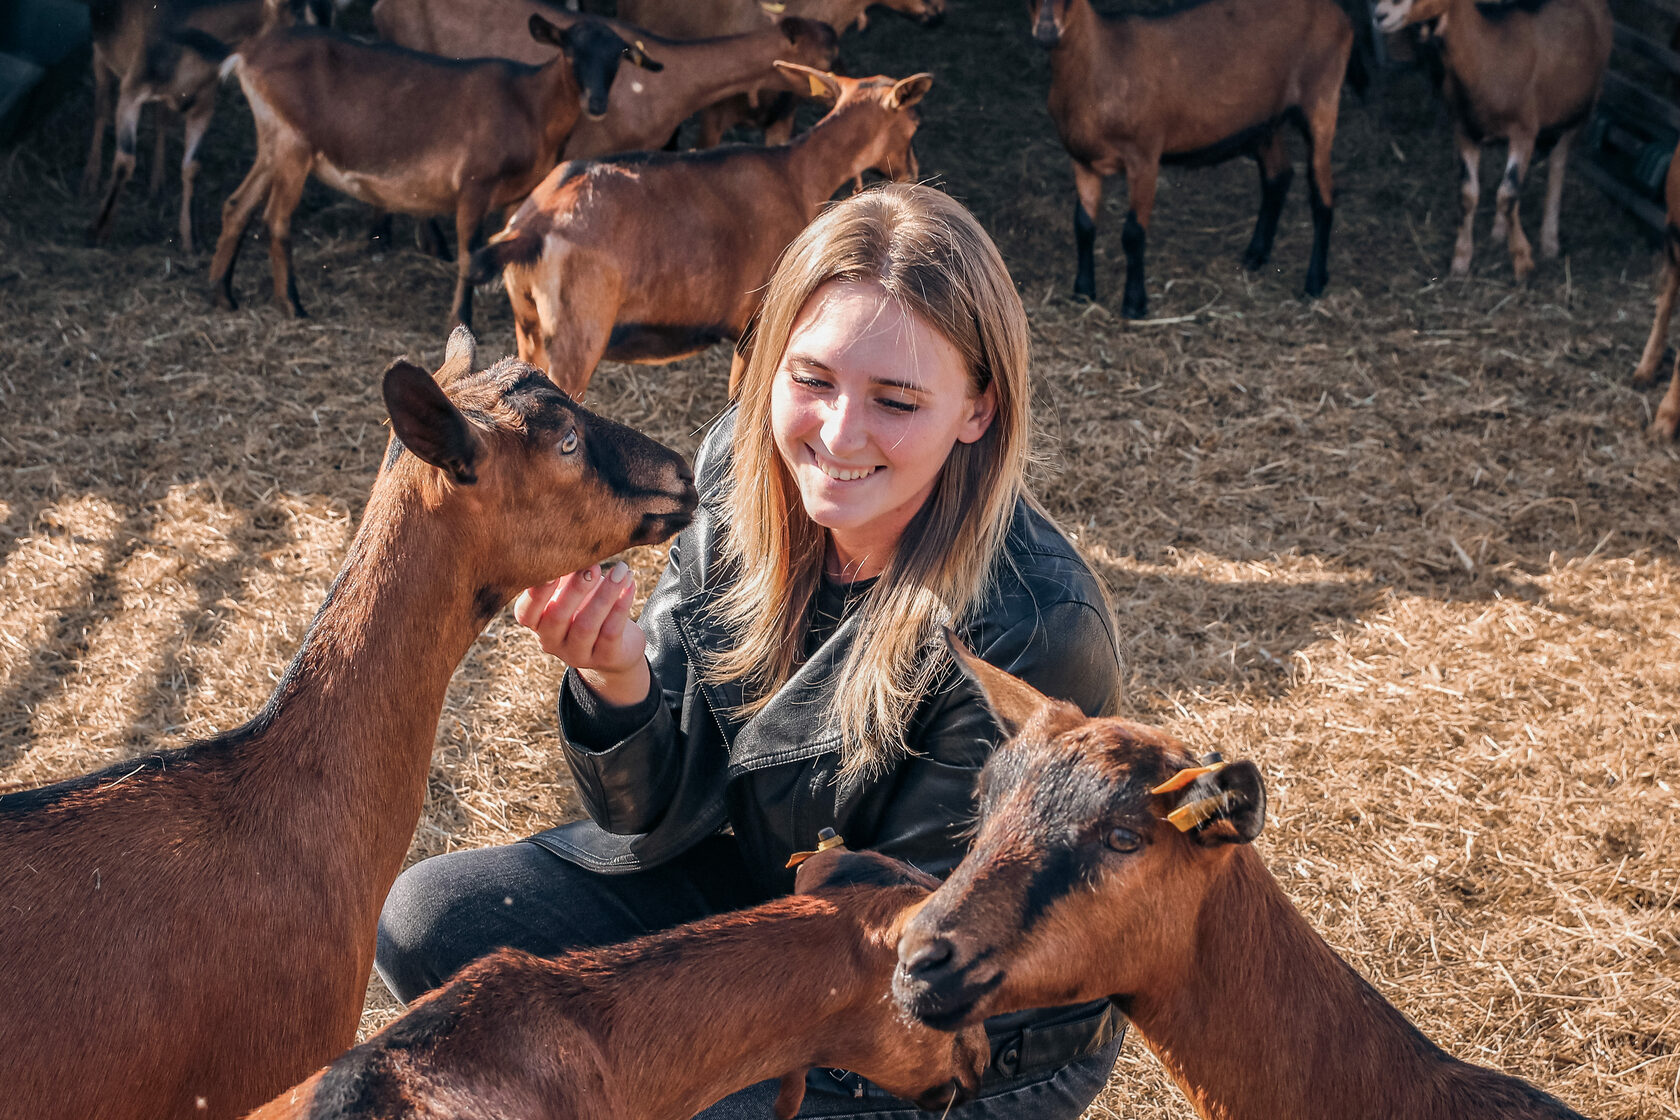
x=237, y=213
x=1668, y=412
x=1469, y=193
x=102, y=79
x=790, y=1095
x=1275, y=177
x=291, y=173
x=197, y=117
x=160, y=122
x=469, y=216
x=1320, y=132
x=1087, y=186
x=1140, y=187
x=1555, y=164
x=1507, y=201
x=129, y=103
x=1646, y=371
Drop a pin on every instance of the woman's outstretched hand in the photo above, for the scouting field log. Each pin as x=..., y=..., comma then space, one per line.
x=584, y=619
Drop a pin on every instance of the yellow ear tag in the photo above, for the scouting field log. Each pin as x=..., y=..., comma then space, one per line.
x=1199, y=812
x=818, y=89
x=773, y=9
x=1184, y=777
x=826, y=839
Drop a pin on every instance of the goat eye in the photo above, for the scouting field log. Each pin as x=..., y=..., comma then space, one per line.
x=569, y=443
x=1123, y=840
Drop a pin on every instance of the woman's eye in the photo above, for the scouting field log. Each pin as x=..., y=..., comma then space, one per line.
x=569, y=443
x=1123, y=840
x=898, y=405
x=807, y=381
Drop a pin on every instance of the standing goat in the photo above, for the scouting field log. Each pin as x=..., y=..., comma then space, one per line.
x=409, y=133
x=661, y=1027
x=189, y=932
x=1195, y=86
x=1526, y=71
x=1107, y=862
x=1668, y=412
x=642, y=114
x=132, y=46
x=655, y=256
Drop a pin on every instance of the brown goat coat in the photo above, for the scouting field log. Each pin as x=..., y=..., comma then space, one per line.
x=193, y=931
x=699, y=19
x=1127, y=91
x=655, y=257
x=1253, y=1015
x=1668, y=412
x=427, y=136
x=1516, y=77
x=655, y=1029
x=644, y=109
x=130, y=50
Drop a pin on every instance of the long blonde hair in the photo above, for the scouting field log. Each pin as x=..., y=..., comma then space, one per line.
x=931, y=256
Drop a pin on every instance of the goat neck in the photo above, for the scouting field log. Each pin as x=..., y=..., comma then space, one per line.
x=836, y=149
x=681, y=1062
x=371, y=674
x=1260, y=1019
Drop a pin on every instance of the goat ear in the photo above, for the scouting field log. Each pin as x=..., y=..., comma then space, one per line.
x=1225, y=807
x=459, y=356
x=840, y=867
x=823, y=85
x=791, y=1095
x=545, y=32
x=1011, y=700
x=637, y=55
x=428, y=424
x=907, y=91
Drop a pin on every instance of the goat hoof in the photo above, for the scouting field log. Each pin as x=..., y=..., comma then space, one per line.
x=226, y=302
x=1255, y=259
x=1664, y=427
x=1548, y=249
x=1084, y=293
x=1138, y=309
x=1644, y=378
x=1316, y=286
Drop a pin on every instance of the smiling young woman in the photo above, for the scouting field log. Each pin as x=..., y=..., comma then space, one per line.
x=788, y=673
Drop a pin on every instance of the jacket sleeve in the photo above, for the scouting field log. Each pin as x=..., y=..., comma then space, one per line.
x=627, y=776
x=1064, y=651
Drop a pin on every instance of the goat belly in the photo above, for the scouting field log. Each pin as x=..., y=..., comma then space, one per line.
x=663, y=342
x=397, y=195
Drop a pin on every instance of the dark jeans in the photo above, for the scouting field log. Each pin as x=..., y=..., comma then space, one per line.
x=448, y=911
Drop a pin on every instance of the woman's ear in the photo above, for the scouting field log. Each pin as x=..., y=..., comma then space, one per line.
x=983, y=409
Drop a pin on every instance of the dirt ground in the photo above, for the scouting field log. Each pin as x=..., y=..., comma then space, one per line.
x=1407, y=546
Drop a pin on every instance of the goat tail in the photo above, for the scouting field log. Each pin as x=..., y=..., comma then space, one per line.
x=510, y=247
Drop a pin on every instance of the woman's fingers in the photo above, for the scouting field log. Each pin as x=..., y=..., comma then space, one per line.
x=529, y=605
x=584, y=618
x=604, y=595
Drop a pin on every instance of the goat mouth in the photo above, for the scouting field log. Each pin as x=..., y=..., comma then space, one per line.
x=942, y=1098
x=947, y=1005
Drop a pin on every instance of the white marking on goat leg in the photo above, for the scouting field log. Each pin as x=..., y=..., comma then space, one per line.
x=1507, y=201
x=1470, y=193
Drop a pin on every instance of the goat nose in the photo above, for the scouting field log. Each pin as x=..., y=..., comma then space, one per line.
x=930, y=956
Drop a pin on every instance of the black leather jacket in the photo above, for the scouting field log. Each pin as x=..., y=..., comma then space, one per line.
x=694, y=767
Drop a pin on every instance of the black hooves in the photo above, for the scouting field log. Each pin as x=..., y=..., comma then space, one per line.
x=1134, y=309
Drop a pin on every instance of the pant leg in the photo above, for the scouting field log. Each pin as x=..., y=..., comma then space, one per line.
x=447, y=911
x=1062, y=1094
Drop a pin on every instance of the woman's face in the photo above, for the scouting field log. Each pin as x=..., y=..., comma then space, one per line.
x=866, y=405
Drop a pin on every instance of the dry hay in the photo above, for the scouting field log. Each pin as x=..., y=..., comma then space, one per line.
x=1406, y=546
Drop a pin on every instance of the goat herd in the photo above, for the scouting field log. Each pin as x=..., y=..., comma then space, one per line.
x=143, y=905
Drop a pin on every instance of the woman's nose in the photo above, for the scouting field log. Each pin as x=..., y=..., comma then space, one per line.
x=843, y=428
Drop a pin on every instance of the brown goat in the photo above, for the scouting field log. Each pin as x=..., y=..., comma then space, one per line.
x=642, y=113
x=407, y=132
x=699, y=19
x=192, y=930
x=661, y=1027
x=652, y=257
x=1526, y=71
x=132, y=46
x=1195, y=86
x=1107, y=862
x=1668, y=412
